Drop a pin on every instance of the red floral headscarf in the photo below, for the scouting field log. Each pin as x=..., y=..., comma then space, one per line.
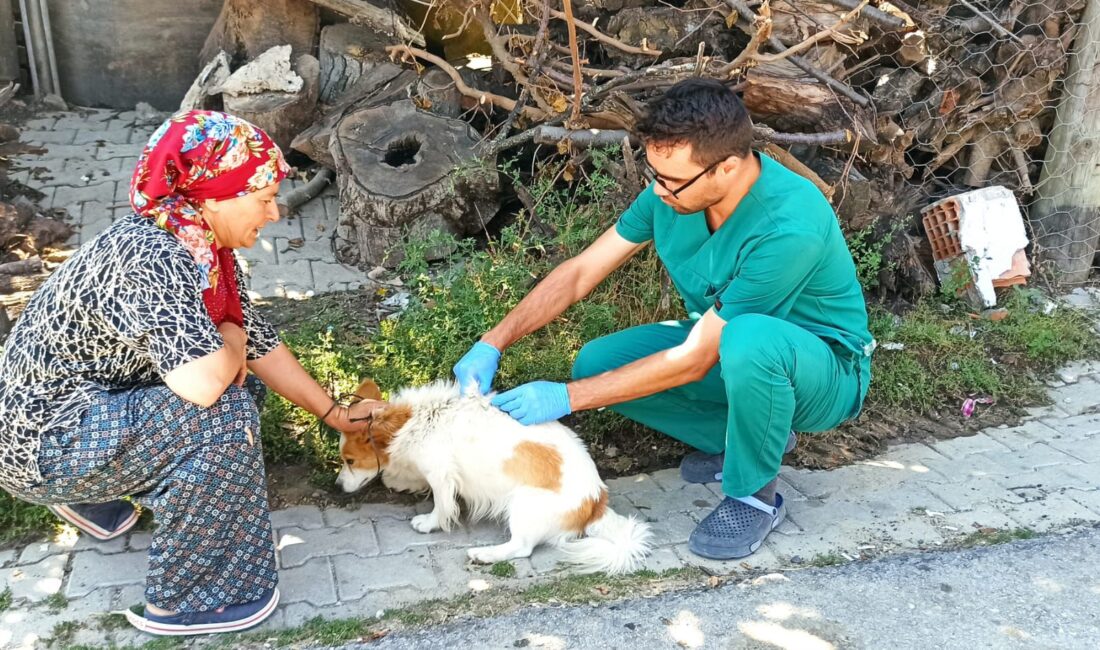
x=199, y=155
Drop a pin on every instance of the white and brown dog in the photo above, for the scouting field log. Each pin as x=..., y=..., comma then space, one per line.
x=539, y=479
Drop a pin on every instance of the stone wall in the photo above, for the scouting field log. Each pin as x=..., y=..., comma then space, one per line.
x=116, y=53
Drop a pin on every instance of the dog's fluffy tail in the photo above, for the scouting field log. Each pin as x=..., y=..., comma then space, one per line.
x=613, y=544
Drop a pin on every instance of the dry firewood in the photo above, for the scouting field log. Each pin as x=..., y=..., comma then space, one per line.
x=364, y=13
x=875, y=14
x=407, y=52
x=605, y=39
x=298, y=197
x=22, y=267
x=779, y=46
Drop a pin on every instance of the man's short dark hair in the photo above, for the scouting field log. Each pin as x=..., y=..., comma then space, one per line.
x=703, y=113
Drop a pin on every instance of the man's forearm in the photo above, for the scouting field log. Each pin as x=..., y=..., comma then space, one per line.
x=548, y=300
x=282, y=373
x=646, y=376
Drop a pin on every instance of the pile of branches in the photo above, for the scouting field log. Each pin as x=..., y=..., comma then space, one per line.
x=885, y=105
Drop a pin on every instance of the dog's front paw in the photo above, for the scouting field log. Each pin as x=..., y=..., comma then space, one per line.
x=483, y=555
x=425, y=523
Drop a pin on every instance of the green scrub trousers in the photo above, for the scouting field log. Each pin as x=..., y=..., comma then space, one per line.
x=771, y=377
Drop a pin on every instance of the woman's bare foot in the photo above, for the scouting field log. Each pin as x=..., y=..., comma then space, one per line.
x=156, y=611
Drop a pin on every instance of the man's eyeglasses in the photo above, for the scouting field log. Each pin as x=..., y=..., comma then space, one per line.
x=652, y=176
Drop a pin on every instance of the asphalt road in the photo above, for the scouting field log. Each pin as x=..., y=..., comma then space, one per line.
x=1035, y=594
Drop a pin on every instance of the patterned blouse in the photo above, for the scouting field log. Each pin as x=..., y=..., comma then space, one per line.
x=123, y=311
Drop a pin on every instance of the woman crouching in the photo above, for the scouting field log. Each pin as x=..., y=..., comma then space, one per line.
x=127, y=376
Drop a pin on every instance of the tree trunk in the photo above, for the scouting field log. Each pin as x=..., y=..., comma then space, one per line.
x=782, y=96
x=1066, y=216
x=282, y=115
x=347, y=52
x=403, y=173
x=248, y=28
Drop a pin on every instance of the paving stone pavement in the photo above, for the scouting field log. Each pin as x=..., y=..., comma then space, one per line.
x=86, y=170
x=356, y=562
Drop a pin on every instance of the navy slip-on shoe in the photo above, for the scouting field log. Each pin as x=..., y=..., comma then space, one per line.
x=698, y=467
x=101, y=521
x=231, y=618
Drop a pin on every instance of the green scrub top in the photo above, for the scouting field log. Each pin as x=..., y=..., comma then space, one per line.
x=781, y=253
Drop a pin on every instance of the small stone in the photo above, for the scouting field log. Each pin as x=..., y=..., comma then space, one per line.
x=316, y=495
x=1067, y=376
x=54, y=103
x=797, y=559
x=146, y=112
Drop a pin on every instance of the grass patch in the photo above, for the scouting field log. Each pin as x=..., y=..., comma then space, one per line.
x=21, y=522
x=569, y=589
x=56, y=601
x=62, y=634
x=994, y=536
x=5, y=599
x=316, y=630
x=454, y=302
x=503, y=570
x=112, y=621
x=949, y=356
x=827, y=559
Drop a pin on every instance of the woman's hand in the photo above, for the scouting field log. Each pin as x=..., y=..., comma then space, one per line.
x=236, y=340
x=352, y=419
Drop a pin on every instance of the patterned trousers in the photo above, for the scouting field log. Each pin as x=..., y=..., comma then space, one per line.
x=201, y=472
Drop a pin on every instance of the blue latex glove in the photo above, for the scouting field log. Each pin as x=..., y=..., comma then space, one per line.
x=478, y=366
x=535, y=402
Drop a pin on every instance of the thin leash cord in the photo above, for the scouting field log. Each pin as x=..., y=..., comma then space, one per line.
x=370, y=438
x=370, y=424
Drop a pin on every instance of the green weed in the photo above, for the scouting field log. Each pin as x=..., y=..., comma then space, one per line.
x=993, y=536
x=21, y=521
x=503, y=570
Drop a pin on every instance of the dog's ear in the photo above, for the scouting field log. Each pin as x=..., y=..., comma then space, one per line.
x=368, y=390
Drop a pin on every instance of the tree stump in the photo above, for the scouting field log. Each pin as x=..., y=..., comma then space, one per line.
x=347, y=53
x=404, y=173
x=245, y=29
x=282, y=115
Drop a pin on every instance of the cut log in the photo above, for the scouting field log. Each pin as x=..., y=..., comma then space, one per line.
x=438, y=93
x=247, y=28
x=383, y=84
x=364, y=13
x=404, y=172
x=15, y=290
x=347, y=52
x=785, y=98
x=281, y=115
x=669, y=29
x=22, y=267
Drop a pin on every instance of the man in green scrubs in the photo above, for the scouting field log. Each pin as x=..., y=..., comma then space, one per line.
x=776, y=338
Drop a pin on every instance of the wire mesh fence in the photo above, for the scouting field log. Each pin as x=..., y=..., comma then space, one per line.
x=1017, y=105
x=887, y=105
